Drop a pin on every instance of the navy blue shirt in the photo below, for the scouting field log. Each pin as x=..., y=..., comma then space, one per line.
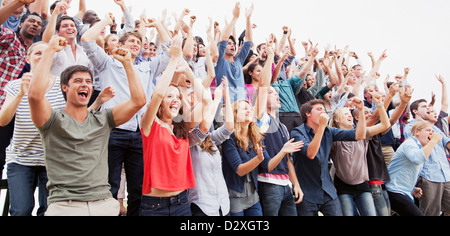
x=313, y=175
x=234, y=156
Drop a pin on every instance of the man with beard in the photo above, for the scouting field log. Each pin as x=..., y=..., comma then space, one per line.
x=13, y=51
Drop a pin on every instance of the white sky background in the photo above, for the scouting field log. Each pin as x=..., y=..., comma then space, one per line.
x=415, y=32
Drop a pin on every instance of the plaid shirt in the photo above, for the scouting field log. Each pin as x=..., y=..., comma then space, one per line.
x=13, y=52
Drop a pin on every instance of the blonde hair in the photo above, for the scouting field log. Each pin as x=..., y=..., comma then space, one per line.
x=253, y=132
x=31, y=48
x=419, y=125
x=338, y=115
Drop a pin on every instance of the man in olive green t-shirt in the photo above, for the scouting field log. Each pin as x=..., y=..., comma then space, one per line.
x=75, y=140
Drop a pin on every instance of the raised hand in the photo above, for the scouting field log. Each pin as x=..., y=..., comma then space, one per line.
x=61, y=7
x=25, y=83
x=291, y=147
x=259, y=151
x=406, y=93
x=359, y=104
x=175, y=50
x=121, y=54
x=435, y=137
x=57, y=43
x=249, y=11
x=323, y=120
x=107, y=94
x=237, y=10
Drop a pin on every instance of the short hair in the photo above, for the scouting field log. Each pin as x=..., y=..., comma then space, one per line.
x=125, y=37
x=307, y=107
x=64, y=17
x=258, y=48
x=67, y=74
x=26, y=16
x=353, y=67
x=31, y=48
x=419, y=125
x=415, y=106
x=232, y=39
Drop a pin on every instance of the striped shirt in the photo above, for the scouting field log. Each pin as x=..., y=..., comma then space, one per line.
x=26, y=146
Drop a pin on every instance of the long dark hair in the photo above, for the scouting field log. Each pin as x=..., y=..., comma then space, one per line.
x=180, y=129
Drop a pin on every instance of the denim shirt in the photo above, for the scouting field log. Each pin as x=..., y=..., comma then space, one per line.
x=405, y=166
x=313, y=175
x=233, y=71
x=233, y=157
x=436, y=168
x=112, y=72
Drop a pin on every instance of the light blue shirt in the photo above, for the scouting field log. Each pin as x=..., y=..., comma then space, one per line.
x=405, y=166
x=112, y=72
x=436, y=168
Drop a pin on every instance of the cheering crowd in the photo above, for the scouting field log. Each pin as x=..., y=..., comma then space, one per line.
x=93, y=113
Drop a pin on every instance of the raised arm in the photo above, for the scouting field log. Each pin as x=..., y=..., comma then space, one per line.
x=249, y=26
x=384, y=124
x=360, y=132
x=376, y=67
x=7, y=10
x=264, y=85
x=124, y=111
x=444, y=101
x=81, y=9
x=92, y=33
x=229, y=28
x=40, y=107
x=163, y=35
x=161, y=86
x=50, y=30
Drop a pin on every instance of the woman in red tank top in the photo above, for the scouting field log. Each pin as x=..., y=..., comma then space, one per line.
x=168, y=169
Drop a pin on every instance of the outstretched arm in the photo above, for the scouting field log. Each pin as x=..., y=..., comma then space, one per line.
x=444, y=101
x=229, y=28
x=161, y=86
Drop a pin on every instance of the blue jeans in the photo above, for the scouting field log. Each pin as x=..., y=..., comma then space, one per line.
x=22, y=182
x=330, y=207
x=125, y=147
x=358, y=204
x=381, y=200
x=276, y=200
x=254, y=210
x=177, y=205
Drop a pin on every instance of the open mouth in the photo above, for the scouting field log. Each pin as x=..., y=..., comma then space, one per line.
x=83, y=94
x=173, y=108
